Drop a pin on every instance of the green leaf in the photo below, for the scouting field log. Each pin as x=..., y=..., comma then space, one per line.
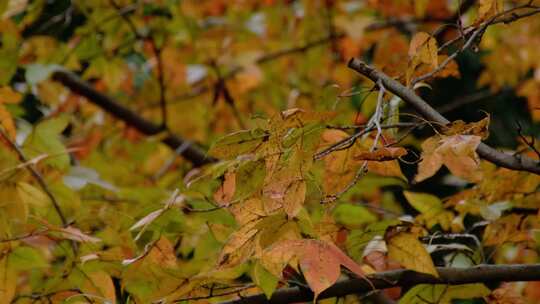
x=265, y=280
x=431, y=209
x=353, y=215
x=443, y=294
x=238, y=143
x=45, y=139
x=27, y=258
x=358, y=239
x=249, y=178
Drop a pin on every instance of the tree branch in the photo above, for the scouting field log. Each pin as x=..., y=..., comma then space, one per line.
x=192, y=153
x=404, y=277
x=514, y=162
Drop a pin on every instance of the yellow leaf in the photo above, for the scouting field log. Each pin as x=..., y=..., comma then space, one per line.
x=99, y=283
x=239, y=246
x=488, y=9
x=431, y=209
x=32, y=195
x=422, y=50
x=510, y=228
x=6, y=121
x=8, y=280
x=8, y=95
x=11, y=202
x=294, y=197
x=406, y=249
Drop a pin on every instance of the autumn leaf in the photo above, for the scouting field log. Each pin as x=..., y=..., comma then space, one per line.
x=488, y=9
x=294, y=197
x=382, y=154
x=72, y=233
x=479, y=128
x=422, y=50
x=99, y=283
x=241, y=142
x=264, y=279
x=8, y=280
x=507, y=293
x=457, y=153
x=249, y=178
x=239, y=246
x=8, y=96
x=510, y=228
x=431, y=209
x=225, y=193
x=443, y=294
x=405, y=248
x=319, y=261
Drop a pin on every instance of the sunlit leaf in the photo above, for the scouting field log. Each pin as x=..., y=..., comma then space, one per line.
x=406, y=249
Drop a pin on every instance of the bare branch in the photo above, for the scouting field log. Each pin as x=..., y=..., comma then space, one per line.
x=192, y=153
x=518, y=162
x=396, y=278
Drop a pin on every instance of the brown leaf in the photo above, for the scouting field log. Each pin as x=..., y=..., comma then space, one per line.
x=382, y=154
x=459, y=127
x=509, y=228
x=225, y=192
x=457, y=152
x=72, y=233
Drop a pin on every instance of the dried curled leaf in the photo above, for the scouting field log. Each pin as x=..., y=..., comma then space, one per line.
x=382, y=154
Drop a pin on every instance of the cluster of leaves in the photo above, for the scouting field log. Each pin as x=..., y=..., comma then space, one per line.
x=316, y=167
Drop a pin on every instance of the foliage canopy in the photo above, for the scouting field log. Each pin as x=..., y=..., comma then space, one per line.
x=203, y=151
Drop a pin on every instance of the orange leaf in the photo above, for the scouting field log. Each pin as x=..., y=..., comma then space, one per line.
x=320, y=261
x=457, y=152
x=382, y=154
x=225, y=192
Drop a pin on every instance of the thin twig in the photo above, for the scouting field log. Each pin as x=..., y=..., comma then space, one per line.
x=37, y=176
x=522, y=163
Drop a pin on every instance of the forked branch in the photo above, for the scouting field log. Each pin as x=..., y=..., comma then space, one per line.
x=513, y=162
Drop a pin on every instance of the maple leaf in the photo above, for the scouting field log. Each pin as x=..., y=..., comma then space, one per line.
x=319, y=261
x=457, y=152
